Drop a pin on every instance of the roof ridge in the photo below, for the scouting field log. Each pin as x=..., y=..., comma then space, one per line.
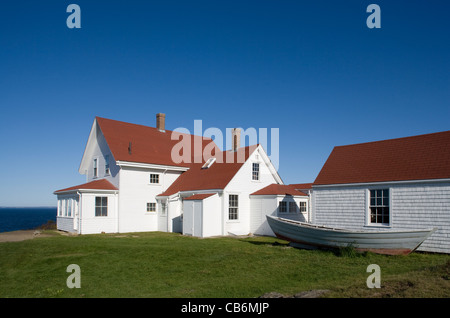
x=145, y=126
x=393, y=139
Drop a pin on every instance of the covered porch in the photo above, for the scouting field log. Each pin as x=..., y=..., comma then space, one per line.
x=88, y=208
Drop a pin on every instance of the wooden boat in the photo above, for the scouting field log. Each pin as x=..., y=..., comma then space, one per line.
x=305, y=235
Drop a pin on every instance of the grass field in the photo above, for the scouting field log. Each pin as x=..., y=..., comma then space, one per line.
x=171, y=265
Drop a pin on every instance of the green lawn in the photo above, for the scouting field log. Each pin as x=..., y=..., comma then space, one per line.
x=171, y=265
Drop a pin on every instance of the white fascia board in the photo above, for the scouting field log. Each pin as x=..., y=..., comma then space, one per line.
x=82, y=169
x=190, y=192
x=269, y=164
x=131, y=164
x=381, y=183
x=88, y=191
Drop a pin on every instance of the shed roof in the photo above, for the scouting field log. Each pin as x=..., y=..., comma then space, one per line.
x=199, y=196
x=279, y=189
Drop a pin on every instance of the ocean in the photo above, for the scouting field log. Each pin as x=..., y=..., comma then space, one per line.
x=14, y=219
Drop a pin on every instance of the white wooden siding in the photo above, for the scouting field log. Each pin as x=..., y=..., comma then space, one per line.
x=340, y=207
x=135, y=192
x=243, y=185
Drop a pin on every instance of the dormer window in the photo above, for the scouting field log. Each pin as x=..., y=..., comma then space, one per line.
x=209, y=163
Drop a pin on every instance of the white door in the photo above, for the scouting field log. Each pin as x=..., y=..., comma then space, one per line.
x=197, y=218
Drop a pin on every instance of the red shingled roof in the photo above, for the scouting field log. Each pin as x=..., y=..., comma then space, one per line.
x=302, y=186
x=420, y=157
x=199, y=196
x=101, y=184
x=279, y=189
x=215, y=177
x=148, y=144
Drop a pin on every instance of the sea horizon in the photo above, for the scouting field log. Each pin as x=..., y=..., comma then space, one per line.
x=25, y=218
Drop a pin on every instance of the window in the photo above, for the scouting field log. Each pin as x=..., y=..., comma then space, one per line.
x=379, y=206
x=107, y=164
x=95, y=168
x=233, y=207
x=69, y=207
x=292, y=207
x=154, y=178
x=101, y=206
x=255, y=171
x=208, y=163
x=151, y=207
x=302, y=206
x=282, y=207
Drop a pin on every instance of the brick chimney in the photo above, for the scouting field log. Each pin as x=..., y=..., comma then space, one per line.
x=161, y=122
x=235, y=139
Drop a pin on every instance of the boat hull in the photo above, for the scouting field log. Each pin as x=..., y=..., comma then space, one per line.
x=388, y=242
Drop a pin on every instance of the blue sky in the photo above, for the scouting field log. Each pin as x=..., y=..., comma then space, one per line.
x=313, y=69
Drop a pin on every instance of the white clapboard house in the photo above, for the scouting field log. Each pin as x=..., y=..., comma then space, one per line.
x=134, y=184
x=399, y=183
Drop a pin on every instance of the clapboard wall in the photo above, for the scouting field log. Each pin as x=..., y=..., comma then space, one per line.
x=423, y=204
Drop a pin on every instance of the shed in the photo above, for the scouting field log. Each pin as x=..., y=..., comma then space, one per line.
x=201, y=213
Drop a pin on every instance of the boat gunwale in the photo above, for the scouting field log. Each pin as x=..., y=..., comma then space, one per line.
x=344, y=230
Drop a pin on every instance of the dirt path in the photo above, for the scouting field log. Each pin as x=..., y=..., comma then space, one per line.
x=16, y=236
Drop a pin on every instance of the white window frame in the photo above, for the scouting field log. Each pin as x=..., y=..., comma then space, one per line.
x=286, y=207
x=95, y=168
x=101, y=206
x=301, y=205
x=256, y=173
x=149, y=205
x=233, y=207
x=155, y=175
x=107, y=167
x=294, y=204
x=369, y=205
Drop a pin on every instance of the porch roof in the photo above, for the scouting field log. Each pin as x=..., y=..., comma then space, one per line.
x=101, y=184
x=200, y=196
x=280, y=189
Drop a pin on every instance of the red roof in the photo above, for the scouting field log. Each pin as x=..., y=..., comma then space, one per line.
x=199, y=196
x=101, y=184
x=302, y=186
x=148, y=144
x=279, y=189
x=217, y=176
x=420, y=157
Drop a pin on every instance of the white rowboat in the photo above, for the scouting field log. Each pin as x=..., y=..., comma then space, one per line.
x=389, y=242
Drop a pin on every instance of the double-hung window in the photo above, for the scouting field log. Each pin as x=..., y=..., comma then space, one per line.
x=154, y=178
x=233, y=207
x=282, y=207
x=302, y=206
x=151, y=207
x=101, y=206
x=379, y=207
x=292, y=207
x=255, y=171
